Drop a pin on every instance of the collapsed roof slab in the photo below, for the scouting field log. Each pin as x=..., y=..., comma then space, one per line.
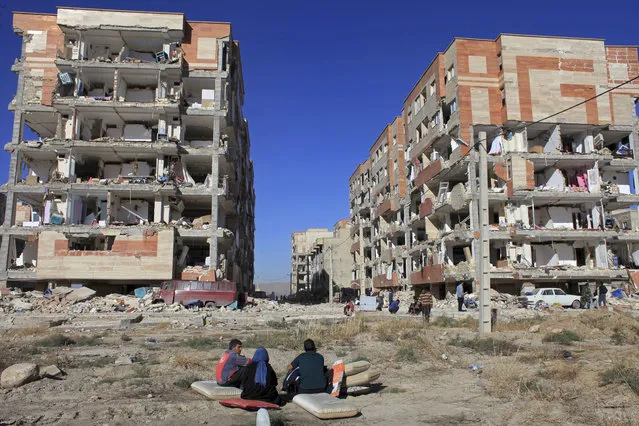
x=121, y=19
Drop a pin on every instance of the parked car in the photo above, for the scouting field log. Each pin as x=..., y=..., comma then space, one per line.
x=210, y=293
x=550, y=296
x=259, y=294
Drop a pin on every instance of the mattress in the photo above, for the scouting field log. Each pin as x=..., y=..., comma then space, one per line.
x=325, y=406
x=211, y=390
x=353, y=368
x=360, y=379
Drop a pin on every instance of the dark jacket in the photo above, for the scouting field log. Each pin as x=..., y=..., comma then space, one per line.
x=255, y=391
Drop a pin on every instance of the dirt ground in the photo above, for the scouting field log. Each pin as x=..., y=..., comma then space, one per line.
x=426, y=373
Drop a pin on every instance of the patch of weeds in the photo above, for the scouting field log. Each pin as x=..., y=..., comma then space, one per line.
x=125, y=338
x=88, y=341
x=98, y=362
x=28, y=331
x=278, y=325
x=141, y=372
x=406, y=353
x=565, y=337
x=488, y=346
x=188, y=362
x=618, y=337
x=31, y=350
x=341, y=352
x=531, y=386
x=55, y=341
x=621, y=373
x=185, y=382
x=171, y=339
x=202, y=343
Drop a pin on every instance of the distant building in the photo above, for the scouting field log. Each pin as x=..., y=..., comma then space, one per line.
x=330, y=260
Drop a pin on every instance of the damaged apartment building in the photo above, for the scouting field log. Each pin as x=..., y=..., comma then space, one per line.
x=130, y=156
x=562, y=188
x=319, y=257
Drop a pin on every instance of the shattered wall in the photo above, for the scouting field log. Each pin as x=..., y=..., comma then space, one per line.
x=148, y=255
x=200, y=46
x=43, y=38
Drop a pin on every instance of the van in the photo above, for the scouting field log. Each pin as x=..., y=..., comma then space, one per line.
x=210, y=293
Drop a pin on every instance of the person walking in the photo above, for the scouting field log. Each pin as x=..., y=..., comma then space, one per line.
x=426, y=301
x=460, y=296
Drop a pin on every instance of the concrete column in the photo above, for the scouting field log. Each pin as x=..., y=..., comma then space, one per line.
x=109, y=200
x=219, y=95
x=166, y=210
x=4, y=255
x=159, y=166
x=14, y=168
x=9, y=211
x=18, y=126
x=157, y=209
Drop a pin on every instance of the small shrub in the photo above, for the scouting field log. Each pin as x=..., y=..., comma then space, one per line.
x=621, y=373
x=202, y=343
x=487, y=346
x=565, y=337
x=188, y=362
x=279, y=325
x=88, y=341
x=185, y=382
x=443, y=321
x=406, y=353
x=141, y=372
x=56, y=341
x=531, y=386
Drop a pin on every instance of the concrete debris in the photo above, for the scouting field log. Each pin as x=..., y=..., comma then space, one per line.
x=125, y=360
x=50, y=371
x=125, y=323
x=534, y=328
x=19, y=374
x=80, y=294
x=20, y=305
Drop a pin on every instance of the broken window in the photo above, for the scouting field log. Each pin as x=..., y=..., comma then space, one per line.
x=23, y=252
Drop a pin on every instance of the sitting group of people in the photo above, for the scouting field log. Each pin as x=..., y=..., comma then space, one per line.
x=258, y=381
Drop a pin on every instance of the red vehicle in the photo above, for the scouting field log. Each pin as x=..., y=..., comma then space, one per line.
x=210, y=293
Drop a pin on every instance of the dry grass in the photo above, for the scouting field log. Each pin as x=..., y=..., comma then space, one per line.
x=189, y=362
x=522, y=325
x=486, y=346
x=564, y=337
x=28, y=331
x=395, y=329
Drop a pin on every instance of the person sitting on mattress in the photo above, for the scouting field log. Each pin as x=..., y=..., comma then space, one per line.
x=232, y=360
x=258, y=380
x=313, y=375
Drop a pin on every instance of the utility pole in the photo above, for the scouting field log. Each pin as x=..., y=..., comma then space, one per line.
x=484, y=238
x=330, y=274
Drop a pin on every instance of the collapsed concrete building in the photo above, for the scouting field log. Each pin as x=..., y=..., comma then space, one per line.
x=329, y=260
x=302, y=243
x=130, y=155
x=563, y=182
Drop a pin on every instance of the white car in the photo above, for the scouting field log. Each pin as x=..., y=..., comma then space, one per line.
x=549, y=297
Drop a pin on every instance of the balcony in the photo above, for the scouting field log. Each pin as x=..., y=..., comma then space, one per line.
x=430, y=274
x=425, y=208
x=427, y=173
x=380, y=281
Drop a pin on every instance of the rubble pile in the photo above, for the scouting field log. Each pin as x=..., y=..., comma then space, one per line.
x=79, y=300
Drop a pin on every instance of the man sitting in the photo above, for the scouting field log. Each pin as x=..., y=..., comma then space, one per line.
x=228, y=368
x=310, y=367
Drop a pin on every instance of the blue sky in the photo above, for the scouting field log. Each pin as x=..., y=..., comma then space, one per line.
x=323, y=78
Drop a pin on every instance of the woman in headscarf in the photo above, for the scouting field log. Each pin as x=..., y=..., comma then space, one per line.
x=259, y=380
